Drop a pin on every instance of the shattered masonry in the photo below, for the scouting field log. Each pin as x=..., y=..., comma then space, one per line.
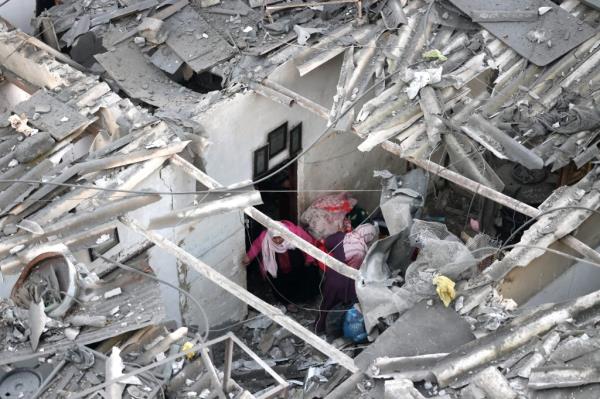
x=492, y=111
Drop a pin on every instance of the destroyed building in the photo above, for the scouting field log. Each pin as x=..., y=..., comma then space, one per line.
x=145, y=144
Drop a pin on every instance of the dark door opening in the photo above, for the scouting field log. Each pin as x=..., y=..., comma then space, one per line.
x=279, y=195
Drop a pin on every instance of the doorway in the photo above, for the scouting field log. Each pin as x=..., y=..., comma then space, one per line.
x=280, y=202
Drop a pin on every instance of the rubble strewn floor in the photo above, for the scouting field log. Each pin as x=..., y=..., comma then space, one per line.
x=494, y=108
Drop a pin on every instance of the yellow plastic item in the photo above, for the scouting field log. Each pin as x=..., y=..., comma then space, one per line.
x=186, y=349
x=445, y=289
x=435, y=55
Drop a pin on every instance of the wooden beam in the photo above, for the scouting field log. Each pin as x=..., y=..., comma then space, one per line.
x=225, y=204
x=269, y=223
x=227, y=363
x=473, y=186
x=498, y=197
x=309, y=4
x=196, y=173
x=53, y=52
x=302, y=101
x=268, y=310
x=302, y=245
x=272, y=94
x=258, y=360
x=212, y=372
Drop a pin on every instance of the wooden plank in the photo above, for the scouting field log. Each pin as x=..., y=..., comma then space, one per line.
x=258, y=360
x=196, y=173
x=49, y=33
x=498, y=197
x=308, y=4
x=268, y=310
x=212, y=372
x=227, y=364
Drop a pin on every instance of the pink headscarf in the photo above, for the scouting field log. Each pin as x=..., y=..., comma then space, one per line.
x=356, y=244
x=264, y=244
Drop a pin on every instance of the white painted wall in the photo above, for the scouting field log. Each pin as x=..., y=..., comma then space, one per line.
x=201, y=240
x=336, y=164
x=19, y=13
x=238, y=126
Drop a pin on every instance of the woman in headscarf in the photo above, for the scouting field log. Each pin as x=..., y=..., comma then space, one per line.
x=351, y=249
x=289, y=270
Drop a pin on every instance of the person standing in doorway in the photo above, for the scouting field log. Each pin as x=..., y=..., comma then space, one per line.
x=289, y=271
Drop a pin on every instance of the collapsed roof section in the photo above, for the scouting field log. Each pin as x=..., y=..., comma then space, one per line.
x=528, y=113
x=171, y=42
x=122, y=149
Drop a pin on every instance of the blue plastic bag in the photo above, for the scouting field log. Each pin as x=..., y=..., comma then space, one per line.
x=354, y=326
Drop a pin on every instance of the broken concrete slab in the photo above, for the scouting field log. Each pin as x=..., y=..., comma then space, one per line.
x=554, y=33
x=128, y=67
x=418, y=332
x=195, y=41
x=60, y=122
x=166, y=59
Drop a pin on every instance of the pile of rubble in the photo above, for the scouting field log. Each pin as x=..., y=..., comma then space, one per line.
x=490, y=88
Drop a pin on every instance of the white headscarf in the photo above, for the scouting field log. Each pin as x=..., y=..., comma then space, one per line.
x=270, y=248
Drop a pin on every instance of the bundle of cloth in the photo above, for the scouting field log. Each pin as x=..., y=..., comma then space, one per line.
x=327, y=215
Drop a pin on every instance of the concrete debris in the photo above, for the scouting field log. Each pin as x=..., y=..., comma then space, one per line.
x=152, y=30
x=305, y=33
x=114, y=370
x=19, y=123
x=398, y=388
x=37, y=322
x=113, y=292
x=489, y=113
x=419, y=79
x=33, y=147
x=30, y=226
